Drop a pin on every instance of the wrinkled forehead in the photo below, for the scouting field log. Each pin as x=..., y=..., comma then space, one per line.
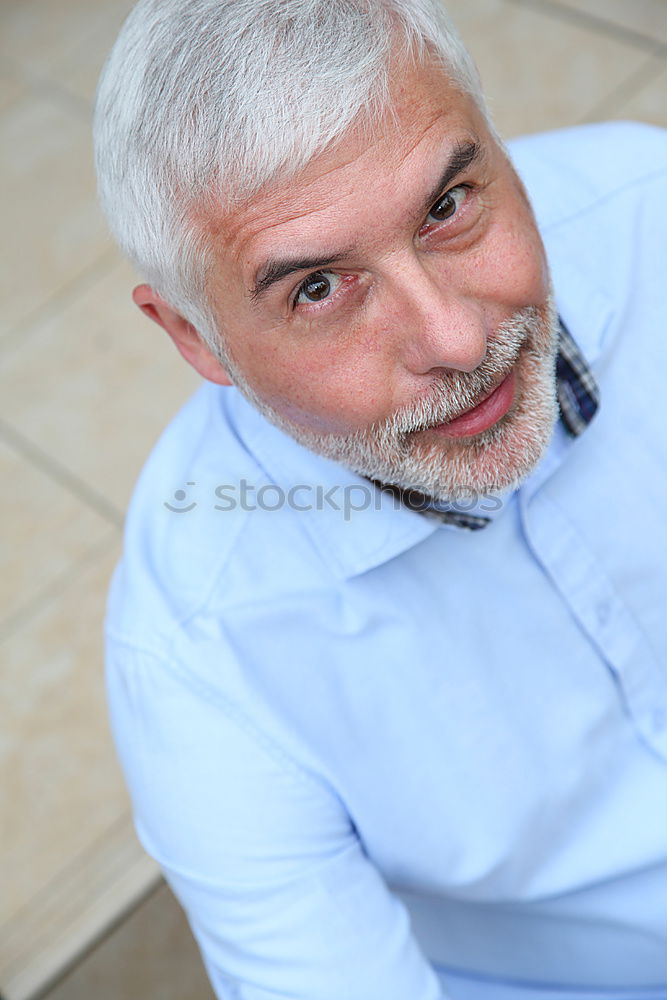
x=426, y=119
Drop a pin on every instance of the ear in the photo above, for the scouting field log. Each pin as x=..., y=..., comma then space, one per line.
x=183, y=334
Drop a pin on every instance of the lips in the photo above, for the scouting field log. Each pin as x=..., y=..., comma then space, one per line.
x=485, y=414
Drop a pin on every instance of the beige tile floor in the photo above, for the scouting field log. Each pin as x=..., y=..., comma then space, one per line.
x=87, y=385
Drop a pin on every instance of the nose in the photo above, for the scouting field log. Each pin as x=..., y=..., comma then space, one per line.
x=439, y=326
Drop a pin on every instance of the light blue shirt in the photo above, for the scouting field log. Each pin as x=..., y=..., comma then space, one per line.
x=383, y=758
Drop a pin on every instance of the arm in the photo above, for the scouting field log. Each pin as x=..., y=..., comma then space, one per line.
x=261, y=854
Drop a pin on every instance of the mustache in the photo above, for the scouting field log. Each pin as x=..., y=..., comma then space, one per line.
x=455, y=392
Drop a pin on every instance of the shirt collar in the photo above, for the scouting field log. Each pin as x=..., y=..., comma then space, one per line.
x=354, y=525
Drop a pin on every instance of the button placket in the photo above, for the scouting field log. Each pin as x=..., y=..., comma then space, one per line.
x=582, y=584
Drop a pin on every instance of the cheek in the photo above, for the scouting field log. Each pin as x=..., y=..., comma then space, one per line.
x=324, y=385
x=528, y=266
x=521, y=271
x=512, y=266
x=335, y=384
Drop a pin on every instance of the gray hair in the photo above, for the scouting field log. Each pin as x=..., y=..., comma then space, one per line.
x=202, y=103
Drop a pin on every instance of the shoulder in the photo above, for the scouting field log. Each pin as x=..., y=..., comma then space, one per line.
x=577, y=170
x=194, y=542
x=599, y=193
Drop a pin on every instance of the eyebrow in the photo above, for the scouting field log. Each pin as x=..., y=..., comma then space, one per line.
x=275, y=269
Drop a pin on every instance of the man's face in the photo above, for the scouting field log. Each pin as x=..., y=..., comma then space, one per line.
x=395, y=285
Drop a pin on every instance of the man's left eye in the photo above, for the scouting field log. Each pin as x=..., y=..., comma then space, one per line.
x=317, y=287
x=448, y=205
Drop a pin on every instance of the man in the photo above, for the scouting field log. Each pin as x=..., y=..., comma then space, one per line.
x=386, y=649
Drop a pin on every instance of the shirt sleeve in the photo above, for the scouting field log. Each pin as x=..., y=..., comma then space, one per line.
x=261, y=853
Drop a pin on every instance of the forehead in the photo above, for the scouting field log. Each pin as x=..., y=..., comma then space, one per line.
x=428, y=117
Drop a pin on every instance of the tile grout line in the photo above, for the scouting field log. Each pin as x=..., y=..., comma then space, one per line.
x=66, y=99
x=33, y=453
x=45, y=889
x=625, y=90
x=593, y=22
x=123, y=819
x=64, y=894
x=19, y=618
x=44, y=86
x=58, y=300
x=99, y=941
